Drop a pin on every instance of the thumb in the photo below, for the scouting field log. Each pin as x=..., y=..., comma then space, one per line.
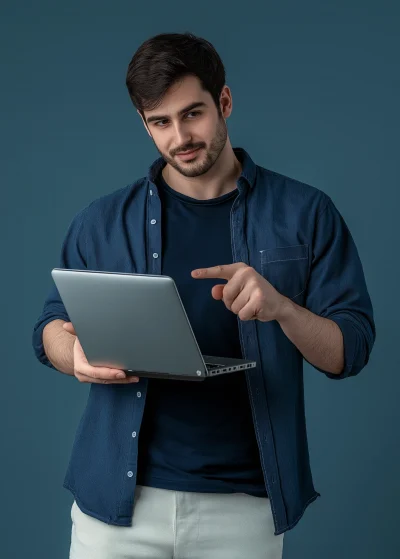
x=69, y=328
x=217, y=291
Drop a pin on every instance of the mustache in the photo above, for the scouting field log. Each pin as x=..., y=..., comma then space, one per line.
x=187, y=148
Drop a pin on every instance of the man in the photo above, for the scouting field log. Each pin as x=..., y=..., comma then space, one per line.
x=267, y=270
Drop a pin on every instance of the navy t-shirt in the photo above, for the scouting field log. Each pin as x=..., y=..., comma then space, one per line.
x=199, y=436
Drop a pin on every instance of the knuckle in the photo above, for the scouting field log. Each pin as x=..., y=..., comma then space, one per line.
x=229, y=305
x=245, y=270
x=227, y=297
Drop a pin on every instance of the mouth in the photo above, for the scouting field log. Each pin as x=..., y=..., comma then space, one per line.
x=185, y=156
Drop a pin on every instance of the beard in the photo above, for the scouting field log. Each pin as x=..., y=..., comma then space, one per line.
x=204, y=160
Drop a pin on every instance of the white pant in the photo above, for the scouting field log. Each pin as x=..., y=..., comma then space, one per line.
x=181, y=525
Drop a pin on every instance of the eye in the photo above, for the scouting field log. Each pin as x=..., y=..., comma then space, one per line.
x=193, y=113
x=160, y=125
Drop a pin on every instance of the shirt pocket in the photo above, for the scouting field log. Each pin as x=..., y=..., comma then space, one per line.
x=286, y=268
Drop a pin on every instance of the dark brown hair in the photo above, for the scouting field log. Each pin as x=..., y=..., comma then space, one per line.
x=165, y=59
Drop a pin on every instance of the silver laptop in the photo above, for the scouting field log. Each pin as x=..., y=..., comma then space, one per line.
x=137, y=323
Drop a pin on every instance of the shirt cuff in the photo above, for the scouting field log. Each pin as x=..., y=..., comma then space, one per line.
x=350, y=342
x=37, y=339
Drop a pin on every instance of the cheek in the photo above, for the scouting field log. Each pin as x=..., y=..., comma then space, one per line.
x=204, y=130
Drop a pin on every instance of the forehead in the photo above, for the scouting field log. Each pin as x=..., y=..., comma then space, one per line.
x=179, y=95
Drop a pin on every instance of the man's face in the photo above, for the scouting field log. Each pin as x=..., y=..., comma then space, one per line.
x=177, y=126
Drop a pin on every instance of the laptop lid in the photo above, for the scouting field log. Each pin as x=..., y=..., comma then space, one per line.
x=130, y=321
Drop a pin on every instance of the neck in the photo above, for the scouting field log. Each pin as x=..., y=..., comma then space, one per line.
x=219, y=180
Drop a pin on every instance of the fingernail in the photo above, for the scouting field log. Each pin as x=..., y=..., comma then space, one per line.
x=120, y=375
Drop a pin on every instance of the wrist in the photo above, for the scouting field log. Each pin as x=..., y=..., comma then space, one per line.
x=285, y=309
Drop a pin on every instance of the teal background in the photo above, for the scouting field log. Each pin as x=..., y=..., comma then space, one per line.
x=316, y=93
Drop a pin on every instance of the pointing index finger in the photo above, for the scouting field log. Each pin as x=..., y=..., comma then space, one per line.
x=224, y=272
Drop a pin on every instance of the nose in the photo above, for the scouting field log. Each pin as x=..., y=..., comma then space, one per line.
x=183, y=136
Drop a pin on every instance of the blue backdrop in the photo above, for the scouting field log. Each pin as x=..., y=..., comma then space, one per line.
x=316, y=93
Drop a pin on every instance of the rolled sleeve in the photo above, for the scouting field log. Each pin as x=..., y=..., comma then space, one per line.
x=51, y=311
x=73, y=256
x=337, y=290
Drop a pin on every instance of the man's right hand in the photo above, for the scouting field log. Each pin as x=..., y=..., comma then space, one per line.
x=86, y=373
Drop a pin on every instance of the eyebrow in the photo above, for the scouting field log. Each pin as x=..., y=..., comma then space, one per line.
x=181, y=112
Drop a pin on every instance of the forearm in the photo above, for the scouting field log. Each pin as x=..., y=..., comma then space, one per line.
x=58, y=345
x=318, y=339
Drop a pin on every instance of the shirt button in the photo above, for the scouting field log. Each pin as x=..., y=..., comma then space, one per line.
x=139, y=394
x=151, y=193
x=130, y=474
x=155, y=255
x=134, y=434
x=153, y=221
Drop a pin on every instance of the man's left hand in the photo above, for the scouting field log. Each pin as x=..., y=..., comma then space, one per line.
x=247, y=293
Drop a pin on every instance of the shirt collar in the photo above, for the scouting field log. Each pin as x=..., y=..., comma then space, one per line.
x=248, y=174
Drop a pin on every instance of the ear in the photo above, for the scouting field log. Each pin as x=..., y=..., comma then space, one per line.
x=144, y=123
x=226, y=102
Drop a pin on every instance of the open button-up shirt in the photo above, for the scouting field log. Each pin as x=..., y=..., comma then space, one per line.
x=294, y=236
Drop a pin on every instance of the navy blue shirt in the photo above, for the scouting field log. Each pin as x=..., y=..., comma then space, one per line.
x=200, y=436
x=293, y=235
